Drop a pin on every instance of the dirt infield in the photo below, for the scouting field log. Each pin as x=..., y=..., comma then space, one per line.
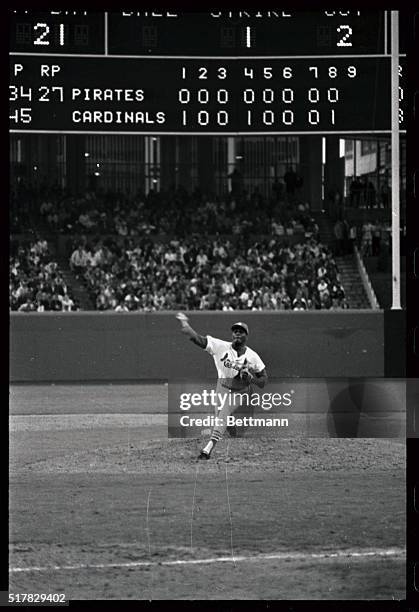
x=109, y=510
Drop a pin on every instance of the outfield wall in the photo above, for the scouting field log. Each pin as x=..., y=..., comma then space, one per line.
x=92, y=346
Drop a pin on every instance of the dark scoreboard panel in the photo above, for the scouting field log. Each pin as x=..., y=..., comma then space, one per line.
x=246, y=32
x=222, y=71
x=81, y=32
x=148, y=95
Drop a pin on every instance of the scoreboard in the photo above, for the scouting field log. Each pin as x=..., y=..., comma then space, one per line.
x=221, y=72
x=209, y=96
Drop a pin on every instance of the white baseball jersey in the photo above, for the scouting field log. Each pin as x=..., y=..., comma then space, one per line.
x=226, y=360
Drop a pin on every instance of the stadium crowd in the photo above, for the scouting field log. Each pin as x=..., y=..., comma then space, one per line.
x=373, y=238
x=238, y=252
x=36, y=284
x=174, y=212
x=206, y=274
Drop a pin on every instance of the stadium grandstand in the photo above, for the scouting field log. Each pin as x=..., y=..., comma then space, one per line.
x=107, y=230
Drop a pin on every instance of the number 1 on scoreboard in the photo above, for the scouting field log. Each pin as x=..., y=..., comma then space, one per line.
x=248, y=39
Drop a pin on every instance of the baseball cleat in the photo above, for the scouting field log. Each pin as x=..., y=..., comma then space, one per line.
x=204, y=455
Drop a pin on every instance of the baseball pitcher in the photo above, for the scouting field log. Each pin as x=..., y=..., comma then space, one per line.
x=238, y=367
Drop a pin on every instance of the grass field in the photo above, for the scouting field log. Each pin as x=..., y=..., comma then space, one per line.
x=104, y=506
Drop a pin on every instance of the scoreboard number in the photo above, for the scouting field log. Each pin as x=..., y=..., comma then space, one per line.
x=42, y=30
x=346, y=32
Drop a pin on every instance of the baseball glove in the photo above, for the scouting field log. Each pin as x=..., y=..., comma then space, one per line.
x=246, y=373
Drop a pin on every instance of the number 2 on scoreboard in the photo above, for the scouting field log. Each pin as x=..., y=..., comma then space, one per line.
x=346, y=32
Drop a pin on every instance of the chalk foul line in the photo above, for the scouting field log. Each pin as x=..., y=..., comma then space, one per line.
x=290, y=556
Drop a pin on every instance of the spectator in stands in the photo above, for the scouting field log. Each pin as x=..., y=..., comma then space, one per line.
x=370, y=195
x=98, y=258
x=277, y=189
x=355, y=192
x=79, y=260
x=337, y=292
x=201, y=258
x=277, y=228
x=346, y=242
x=226, y=305
x=27, y=306
x=121, y=307
x=86, y=222
x=46, y=207
x=291, y=182
x=67, y=304
x=376, y=238
x=236, y=183
x=385, y=193
x=323, y=289
x=321, y=271
x=131, y=301
x=338, y=231
x=55, y=302
x=289, y=229
x=364, y=191
x=352, y=237
x=366, y=247
x=299, y=302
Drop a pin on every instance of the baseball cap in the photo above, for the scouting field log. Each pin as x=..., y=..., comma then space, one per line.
x=242, y=325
